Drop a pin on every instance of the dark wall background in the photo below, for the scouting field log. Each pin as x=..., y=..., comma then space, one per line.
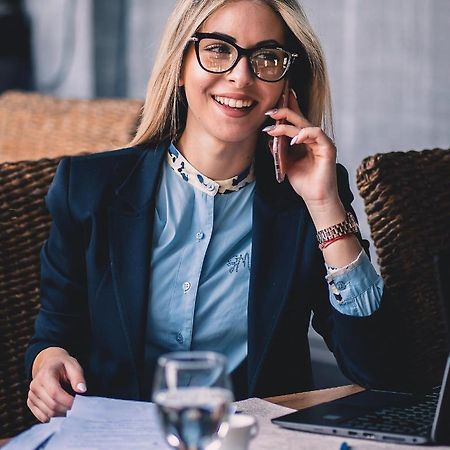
x=15, y=47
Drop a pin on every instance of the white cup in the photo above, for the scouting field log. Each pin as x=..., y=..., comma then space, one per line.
x=242, y=428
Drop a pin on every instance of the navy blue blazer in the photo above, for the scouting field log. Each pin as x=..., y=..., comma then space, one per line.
x=95, y=282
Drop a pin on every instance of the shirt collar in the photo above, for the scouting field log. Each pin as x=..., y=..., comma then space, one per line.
x=181, y=167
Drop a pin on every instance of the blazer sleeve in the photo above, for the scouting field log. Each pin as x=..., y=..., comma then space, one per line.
x=368, y=349
x=63, y=319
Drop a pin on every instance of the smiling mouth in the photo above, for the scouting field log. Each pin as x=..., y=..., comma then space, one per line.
x=234, y=103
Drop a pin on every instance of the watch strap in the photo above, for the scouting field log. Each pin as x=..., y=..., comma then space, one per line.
x=348, y=226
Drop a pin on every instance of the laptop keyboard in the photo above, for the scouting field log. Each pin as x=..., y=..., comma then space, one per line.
x=415, y=419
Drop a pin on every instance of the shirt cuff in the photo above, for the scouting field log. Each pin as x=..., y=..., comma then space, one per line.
x=355, y=289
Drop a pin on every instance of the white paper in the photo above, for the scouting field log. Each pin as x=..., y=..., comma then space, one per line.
x=77, y=434
x=34, y=437
x=101, y=408
x=96, y=423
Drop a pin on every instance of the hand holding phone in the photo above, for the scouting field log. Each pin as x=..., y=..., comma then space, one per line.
x=280, y=143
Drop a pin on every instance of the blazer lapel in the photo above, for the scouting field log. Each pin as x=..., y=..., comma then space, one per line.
x=130, y=240
x=277, y=237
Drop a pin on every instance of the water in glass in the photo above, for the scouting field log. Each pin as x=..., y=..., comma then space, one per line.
x=193, y=395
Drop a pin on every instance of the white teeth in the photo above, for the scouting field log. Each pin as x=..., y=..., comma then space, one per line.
x=233, y=103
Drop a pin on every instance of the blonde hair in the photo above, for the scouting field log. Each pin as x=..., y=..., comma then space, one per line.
x=164, y=112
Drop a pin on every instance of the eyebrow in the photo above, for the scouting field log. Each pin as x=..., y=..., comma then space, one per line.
x=258, y=44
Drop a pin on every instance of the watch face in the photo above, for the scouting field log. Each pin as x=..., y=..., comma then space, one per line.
x=351, y=219
x=353, y=222
x=350, y=224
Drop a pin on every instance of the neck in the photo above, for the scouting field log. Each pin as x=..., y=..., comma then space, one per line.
x=216, y=159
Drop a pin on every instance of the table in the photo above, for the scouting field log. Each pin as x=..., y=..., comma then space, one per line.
x=304, y=400
x=301, y=400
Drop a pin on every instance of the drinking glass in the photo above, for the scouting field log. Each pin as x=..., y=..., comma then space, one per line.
x=193, y=393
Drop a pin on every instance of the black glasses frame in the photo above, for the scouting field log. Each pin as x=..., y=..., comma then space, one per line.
x=247, y=52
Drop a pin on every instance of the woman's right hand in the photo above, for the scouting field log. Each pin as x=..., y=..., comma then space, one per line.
x=52, y=369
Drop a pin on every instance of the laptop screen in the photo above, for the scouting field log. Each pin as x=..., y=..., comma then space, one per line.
x=442, y=267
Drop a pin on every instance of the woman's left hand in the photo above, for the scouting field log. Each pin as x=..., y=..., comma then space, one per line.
x=311, y=161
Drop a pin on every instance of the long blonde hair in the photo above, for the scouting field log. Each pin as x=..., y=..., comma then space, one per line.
x=164, y=112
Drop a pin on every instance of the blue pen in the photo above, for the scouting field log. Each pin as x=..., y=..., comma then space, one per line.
x=344, y=446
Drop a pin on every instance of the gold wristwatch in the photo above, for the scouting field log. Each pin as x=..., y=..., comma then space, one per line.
x=348, y=226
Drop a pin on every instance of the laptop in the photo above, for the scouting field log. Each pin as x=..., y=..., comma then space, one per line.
x=404, y=418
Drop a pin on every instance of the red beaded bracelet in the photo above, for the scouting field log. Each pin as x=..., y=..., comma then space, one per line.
x=337, y=238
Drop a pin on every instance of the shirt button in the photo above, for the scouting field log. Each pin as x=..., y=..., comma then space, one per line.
x=186, y=286
x=199, y=236
x=180, y=338
x=210, y=187
x=340, y=285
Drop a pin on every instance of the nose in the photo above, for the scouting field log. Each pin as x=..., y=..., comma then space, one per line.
x=241, y=74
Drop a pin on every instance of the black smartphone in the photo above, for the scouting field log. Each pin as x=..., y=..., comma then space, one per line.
x=280, y=143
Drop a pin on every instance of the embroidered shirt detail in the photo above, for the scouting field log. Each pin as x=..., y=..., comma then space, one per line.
x=183, y=168
x=237, y=260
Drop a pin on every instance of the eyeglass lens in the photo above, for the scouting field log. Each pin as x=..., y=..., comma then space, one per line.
x=219, y=56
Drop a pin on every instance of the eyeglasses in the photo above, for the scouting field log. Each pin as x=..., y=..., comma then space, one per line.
x=217, y=54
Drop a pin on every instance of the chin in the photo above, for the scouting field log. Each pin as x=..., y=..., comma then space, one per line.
x=236, y=134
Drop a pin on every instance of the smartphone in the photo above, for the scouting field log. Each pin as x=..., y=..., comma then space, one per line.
x=280, y=143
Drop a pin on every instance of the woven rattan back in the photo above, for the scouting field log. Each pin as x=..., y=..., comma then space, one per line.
x=24, y=224
x=33, y=126
x=407, y=201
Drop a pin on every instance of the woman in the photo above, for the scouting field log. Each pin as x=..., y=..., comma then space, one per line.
x=185, y=241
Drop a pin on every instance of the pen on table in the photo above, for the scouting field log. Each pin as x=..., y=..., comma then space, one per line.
x=344, y=446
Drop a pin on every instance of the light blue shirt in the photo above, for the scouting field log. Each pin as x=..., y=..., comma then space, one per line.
x=200, y=267
x=356, y=289
x=201, y=260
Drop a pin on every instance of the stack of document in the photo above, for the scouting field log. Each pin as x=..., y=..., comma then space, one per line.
x=97, y=423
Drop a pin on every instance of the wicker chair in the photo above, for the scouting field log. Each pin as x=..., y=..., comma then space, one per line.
x=407, y=201
x=34, y=126
x=45, y=126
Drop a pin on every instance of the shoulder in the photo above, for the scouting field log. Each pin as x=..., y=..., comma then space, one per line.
x=87, y=182
x=103, y=166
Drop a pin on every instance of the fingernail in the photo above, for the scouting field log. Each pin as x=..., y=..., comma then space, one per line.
x=269, y=128
x=81, y=387
x=294, y=139
x=293, y=93
x=271, y=112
